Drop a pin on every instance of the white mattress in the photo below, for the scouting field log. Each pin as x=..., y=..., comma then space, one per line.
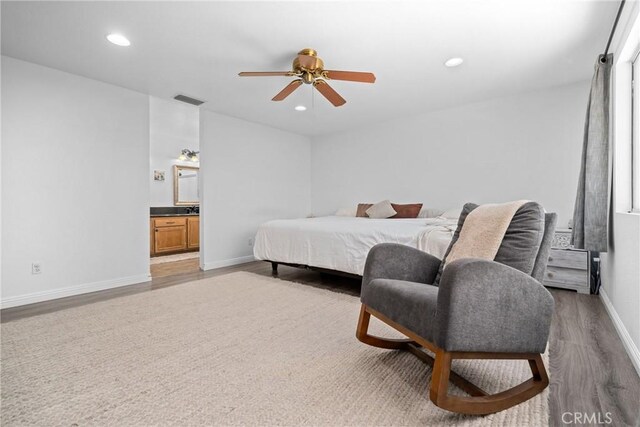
x=342, y=243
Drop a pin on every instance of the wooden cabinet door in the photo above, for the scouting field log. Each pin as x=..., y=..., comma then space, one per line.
x=193, y=232
x=170, y=239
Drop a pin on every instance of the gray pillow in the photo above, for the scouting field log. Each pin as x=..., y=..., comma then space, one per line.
x=521, y=243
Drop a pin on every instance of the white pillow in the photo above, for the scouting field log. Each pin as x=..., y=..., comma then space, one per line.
x=347, y=211
x=452, y=213
x=381, y=210
x=430, y=213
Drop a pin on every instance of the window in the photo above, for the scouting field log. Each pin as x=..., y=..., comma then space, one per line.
x=626, y=120
x=635, y=133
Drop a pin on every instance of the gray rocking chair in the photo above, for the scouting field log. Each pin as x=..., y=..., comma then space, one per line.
x=474, y=309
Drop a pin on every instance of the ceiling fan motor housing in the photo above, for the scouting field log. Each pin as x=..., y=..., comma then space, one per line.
x=314, y=66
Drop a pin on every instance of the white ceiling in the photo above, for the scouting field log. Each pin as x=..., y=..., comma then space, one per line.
x=198, y=48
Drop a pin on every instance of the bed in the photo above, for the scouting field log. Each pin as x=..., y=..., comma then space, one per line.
x=341, y=243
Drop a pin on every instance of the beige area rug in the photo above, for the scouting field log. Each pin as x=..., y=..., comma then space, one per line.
x=239, y=349
x=172, y=258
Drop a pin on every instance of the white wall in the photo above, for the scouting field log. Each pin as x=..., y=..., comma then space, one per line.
x=621, y=264
x=173, y=125
x=524, y=147
x=75, y=192
x=250, y=174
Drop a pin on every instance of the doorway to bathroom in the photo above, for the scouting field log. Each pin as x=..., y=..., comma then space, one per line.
x=174, y=214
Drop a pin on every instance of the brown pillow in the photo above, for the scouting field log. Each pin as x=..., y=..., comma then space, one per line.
x=362, y=210
x=407, y=211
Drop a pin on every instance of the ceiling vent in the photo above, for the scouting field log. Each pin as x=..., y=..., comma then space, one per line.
x=188, y=100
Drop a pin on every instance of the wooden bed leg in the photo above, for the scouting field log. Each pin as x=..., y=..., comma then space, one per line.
x=274, y=268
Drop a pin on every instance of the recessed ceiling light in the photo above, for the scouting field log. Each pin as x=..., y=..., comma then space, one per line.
x=453, y=62
x=300, y=108
x=118, y=39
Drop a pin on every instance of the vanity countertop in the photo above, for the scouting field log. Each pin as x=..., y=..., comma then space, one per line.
x=165, y=215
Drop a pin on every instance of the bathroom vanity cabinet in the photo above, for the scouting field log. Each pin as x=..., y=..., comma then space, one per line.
x=174, y=234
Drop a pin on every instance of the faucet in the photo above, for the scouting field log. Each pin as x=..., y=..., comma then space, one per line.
x=193, y=209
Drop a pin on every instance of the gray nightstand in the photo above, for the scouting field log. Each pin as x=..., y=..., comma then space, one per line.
x=568, y=268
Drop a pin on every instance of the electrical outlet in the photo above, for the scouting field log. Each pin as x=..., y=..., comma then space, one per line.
x=36, y=268
x=251, y=241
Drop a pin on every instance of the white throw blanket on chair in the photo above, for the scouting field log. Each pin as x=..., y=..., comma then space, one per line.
x=483, y=231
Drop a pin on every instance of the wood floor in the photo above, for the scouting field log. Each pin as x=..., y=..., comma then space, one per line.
x=591, y=374
x=176, y=267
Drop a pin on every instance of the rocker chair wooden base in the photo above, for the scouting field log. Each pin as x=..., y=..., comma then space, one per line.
x=480, y=402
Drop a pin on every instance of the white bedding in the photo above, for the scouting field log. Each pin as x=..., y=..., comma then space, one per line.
x=342, y=243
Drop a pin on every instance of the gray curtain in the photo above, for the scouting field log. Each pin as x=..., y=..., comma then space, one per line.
x=590, y=215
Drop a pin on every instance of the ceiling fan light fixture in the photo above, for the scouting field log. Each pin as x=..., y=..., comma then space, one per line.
x=300, y=108
x=118, y=39
x=453, y=62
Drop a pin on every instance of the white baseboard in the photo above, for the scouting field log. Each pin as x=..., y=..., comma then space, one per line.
x=228, y=262
x=72, y=290
x=628, y=343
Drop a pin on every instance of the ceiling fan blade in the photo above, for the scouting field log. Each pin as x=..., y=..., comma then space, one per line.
x=308, y=62
x=328, y=92
x=265, y=73
x=351, y=76
x=287, y=90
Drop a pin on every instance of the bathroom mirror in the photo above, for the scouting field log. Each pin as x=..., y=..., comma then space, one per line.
x=185, y=186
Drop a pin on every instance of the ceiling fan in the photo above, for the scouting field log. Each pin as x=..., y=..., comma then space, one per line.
x=309, y=69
